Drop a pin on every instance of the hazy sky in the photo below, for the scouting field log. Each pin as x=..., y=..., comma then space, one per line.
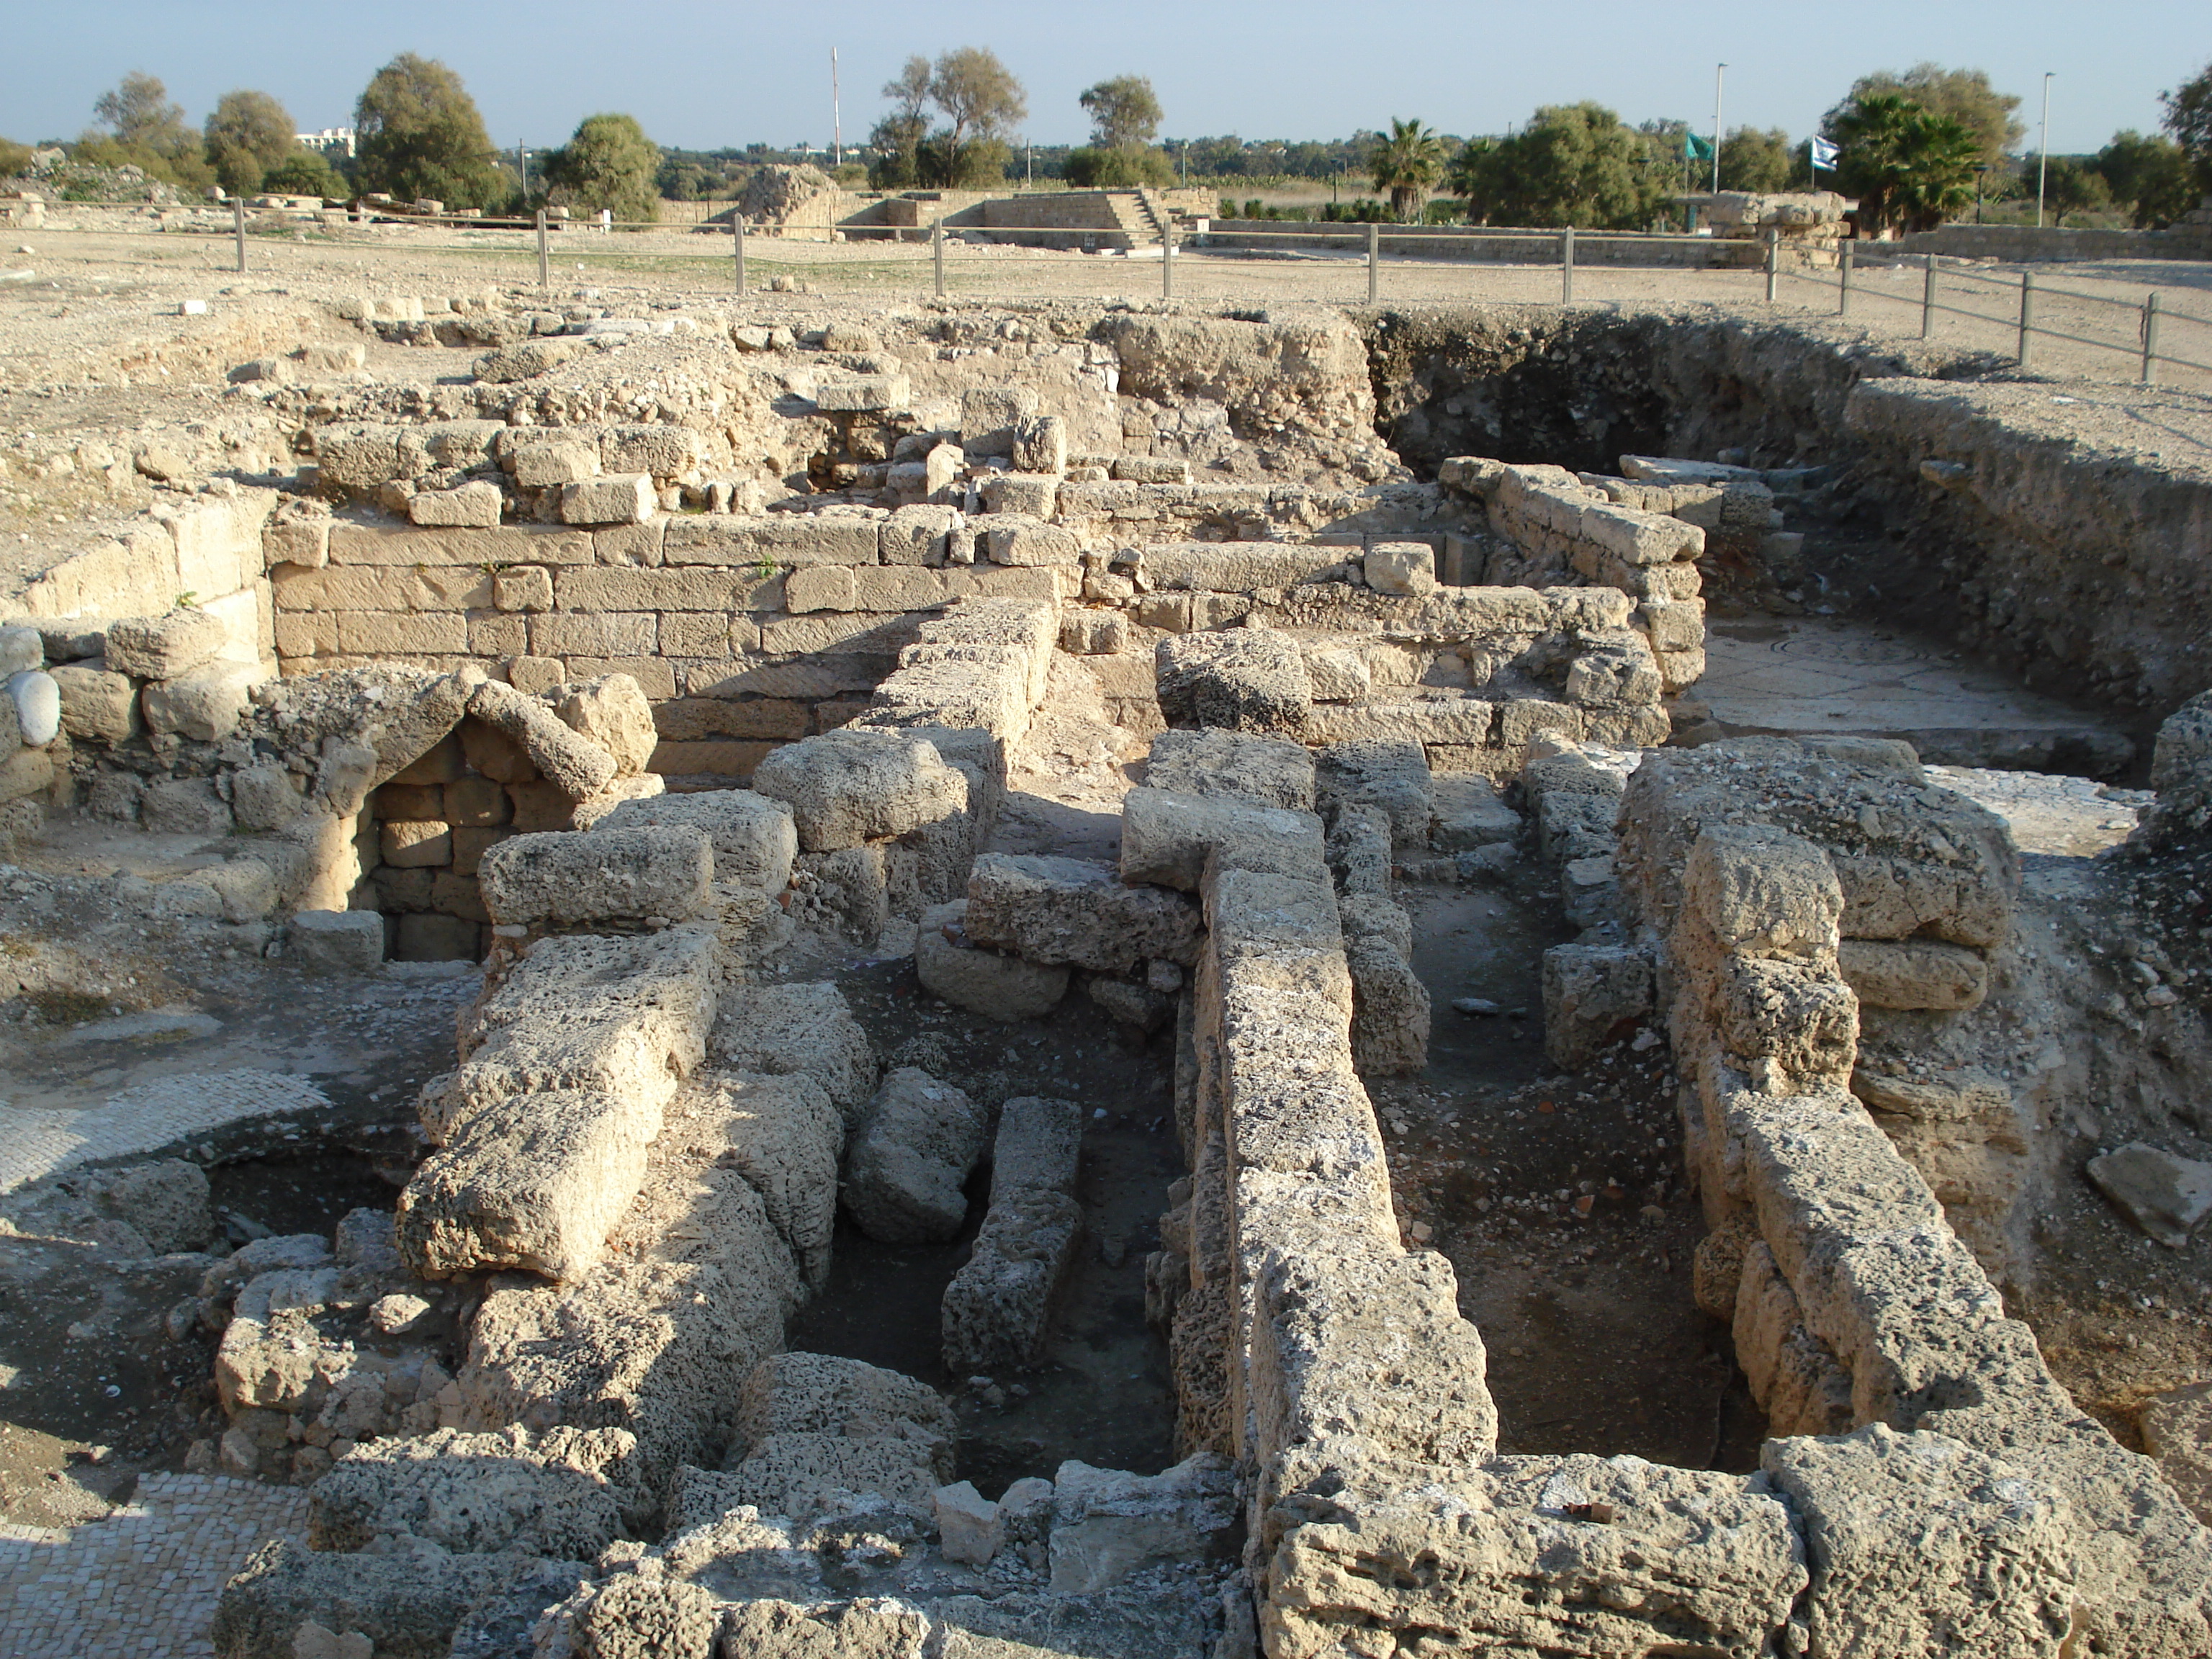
x=702, y=76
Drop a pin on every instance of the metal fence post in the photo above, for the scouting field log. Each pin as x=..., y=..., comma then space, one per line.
x=737, y=226
x=2150, y=341
x=1843, y=279
x=1167, y=263
x=1927, y=301
x=2026, y=313
x=545, y=259
x=1773, y=264
x=1374, y=262
x=937, y=253
x=1567, y=266
x=238, y=222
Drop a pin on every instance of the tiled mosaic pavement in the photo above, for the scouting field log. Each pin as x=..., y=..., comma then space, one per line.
x=33, y=1144
x=141, y=1584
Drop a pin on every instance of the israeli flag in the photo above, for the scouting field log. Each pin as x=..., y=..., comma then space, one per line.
x=1825, y=154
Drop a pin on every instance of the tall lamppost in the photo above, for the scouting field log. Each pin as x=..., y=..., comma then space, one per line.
x=2043, y=146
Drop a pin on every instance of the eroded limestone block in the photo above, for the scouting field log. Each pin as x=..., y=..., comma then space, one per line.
x=913, y=1149
x=850, y=785
x=1593, y=996
x=951, y=966
x=563, y=1493
x=1393, y=776
x=1919, y=973
x=1077, y=911
x=575, y=875
x=164, y=647
x=1270, y=771
x=809, y=1028
x=755, y=839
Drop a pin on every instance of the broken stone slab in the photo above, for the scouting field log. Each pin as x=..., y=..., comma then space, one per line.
x=754, y=838
x=1858, y=1495
x=1130, y=1003
x=1920, y=973
x=164, y=647
x=997, y=1306
x=570, y=876
x=536, y=1180
x=575, y=765
x=1469, y=813
x=1359, y=850
x=1106, y=1524
x=1242, y=679
x=611, y=712
x=96, y=703
x=205, y=704
x=785, y=1136
x=1408, y=568
x=2176, y=1429
x=2164, y=1194
x=952, y=967
x=566, y=1493
x=801, y=1476
x=1169, y=838
x=1270, y=771
x=1393, y=776
x=779, y=1030
x=848, y=787
x=915, y=1144
x=1076, y=911
x=1389, y=1011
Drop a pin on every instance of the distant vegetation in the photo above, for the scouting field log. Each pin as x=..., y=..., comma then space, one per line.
x=1916, y=147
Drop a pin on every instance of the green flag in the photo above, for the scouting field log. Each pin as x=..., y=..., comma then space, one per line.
x=1696, y=149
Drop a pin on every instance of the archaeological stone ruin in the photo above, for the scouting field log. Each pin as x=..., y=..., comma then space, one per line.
x=1124, y=979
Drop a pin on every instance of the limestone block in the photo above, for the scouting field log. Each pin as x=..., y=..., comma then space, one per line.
x=982, y=981
x=1763, y=891
x=1034, y=495
x=1621, y=673
x=658, y=450
x=915, y=1143
x=575, y=875
x=476, y=803
x=754, y=836
x=580, y=768
x=406, y=845
x=1073, y=911
x=1094, y=632
x=1106, y=1524
x=1593, y=997
x=2176, y=1429
x=35, y=701
x=524, y=360
x=1389, y=1011
x=1169, y=838
x=20, y=648
x=915, y=534
x=1040, y=446
x=337, y=941
x=1569, y=827
x=1025, y=540
x=546, y=464
x=862, y=394
x=473, y=506
x=97, y=705
x=164, y=647
x=1408, y=568
x=1991, y=1568
x=1242, y=680
x=562, y=1493
x=779, y=1030
x=628, y=498
x=1037, y=1147
x=1359, y=850
x=784, y=1135
x=1244, y=566
x=817, y=1393
x=536, y=1181
x=523, y=587
x=991, y=418
x=1393, y=776
x=1151, y=470
x=1469, y=814
x=1802, y=1021
x=1919, y=973
x=968, y=1526
x=406, y=1603
x=170, y=806
x=1270, y=771
x=263, y=798
x=611, y=712
x=996, y=1309
x=848, y=787
x=807, y=1476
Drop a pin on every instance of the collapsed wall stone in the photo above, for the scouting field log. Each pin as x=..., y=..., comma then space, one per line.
x=996, y=1309
x=912, y=1147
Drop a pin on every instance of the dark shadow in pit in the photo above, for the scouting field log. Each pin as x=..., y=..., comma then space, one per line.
x=1595, y=1345
x=1101, y=1393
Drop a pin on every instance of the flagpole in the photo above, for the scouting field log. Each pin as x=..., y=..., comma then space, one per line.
x=1719, y=71
x=836, y=116
x=2043, y=146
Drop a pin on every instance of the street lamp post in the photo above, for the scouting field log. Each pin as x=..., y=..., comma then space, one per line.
x=1719, y=71
x=2043, y=146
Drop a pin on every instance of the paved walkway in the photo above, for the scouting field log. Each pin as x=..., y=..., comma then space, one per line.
x=142, y=1582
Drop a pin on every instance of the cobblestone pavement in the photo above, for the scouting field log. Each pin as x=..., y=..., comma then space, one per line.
x=142, y=1582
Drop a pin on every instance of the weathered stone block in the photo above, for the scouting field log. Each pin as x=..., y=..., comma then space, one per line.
x=574, y=877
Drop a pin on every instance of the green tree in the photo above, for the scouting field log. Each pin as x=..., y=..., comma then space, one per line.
x=1964, y=95
x=2189, y=117
x=897, y=138
x=1907, y=165
x=2072, y=184
x=306, y=173
x=1124, y=114
x=981, y=101
x=139, y=114
x=1572, y=164
x=1762, y=161
x=1408, y=165
x=609, y=164
x=249, y=133
x=421, y=135
x=2149, y=176
x=1130, y=168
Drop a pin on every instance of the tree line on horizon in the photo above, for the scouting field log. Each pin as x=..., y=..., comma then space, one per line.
x=1916, y=148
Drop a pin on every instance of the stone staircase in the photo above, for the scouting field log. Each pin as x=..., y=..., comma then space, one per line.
x=1141, y=217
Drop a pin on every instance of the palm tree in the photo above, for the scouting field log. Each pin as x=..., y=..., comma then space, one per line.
x=1408, y=165
x=1905, y=162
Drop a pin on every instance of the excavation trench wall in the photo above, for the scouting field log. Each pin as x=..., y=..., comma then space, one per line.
x=2064, y=536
